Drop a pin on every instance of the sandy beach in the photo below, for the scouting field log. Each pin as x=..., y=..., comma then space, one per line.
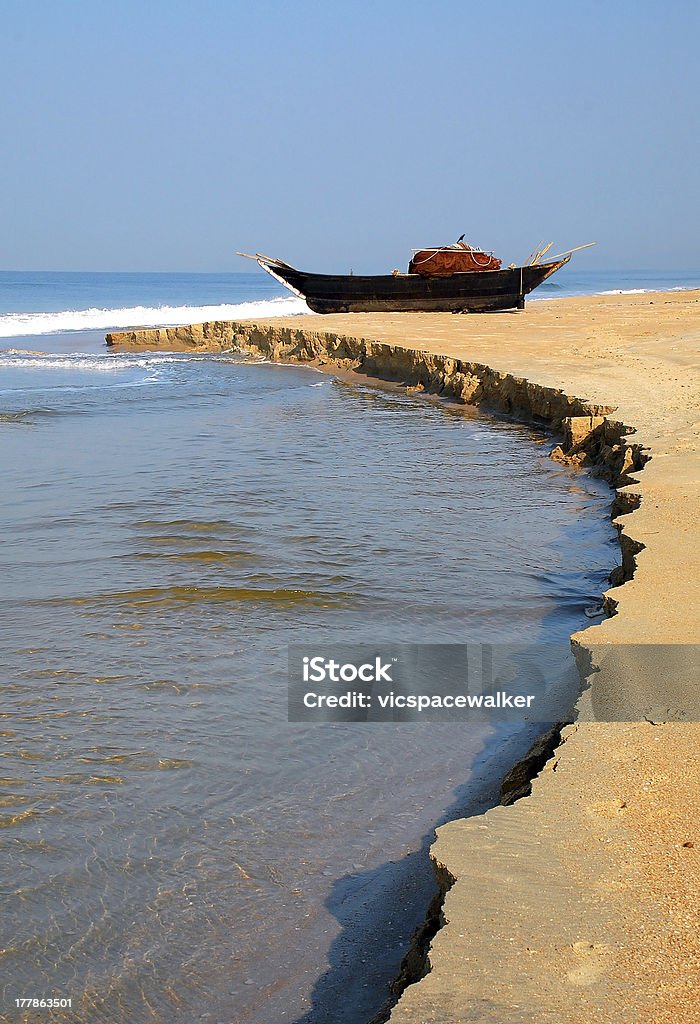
x=580, y=902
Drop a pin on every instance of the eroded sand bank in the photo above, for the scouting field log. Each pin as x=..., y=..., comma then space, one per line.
x=581, y=901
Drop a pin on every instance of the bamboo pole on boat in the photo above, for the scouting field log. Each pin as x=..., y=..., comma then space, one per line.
x=534, y=252
x=541, y=253
x=576, y=249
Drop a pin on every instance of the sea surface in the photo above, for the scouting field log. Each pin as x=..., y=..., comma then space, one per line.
x=173, y=848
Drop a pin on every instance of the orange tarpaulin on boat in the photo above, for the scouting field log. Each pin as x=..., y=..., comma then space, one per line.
x=443, y=262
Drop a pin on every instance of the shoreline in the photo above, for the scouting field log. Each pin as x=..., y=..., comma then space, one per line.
x=576, y=903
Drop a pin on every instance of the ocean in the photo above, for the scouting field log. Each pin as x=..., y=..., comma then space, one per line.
x=173, y=848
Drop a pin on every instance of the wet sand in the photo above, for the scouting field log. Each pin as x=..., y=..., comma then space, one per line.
x=580, y=902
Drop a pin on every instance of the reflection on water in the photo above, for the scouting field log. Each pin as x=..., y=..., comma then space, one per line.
x=172, y=846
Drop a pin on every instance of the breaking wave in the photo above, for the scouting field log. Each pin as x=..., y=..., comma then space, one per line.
x=13, y=325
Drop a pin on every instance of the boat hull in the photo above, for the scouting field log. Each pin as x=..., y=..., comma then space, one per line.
x=483, y=291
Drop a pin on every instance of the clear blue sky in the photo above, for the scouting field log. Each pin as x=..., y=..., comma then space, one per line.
x=164, y=135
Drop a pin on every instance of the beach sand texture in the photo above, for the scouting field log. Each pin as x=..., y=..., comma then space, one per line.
x=582, y=901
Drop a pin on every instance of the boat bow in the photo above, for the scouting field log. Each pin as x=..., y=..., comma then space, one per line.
x=275, y=268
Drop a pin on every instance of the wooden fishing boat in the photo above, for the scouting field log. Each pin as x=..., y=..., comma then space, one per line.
x=434, y=283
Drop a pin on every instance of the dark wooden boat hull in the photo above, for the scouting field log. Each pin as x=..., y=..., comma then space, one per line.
x=472, y=292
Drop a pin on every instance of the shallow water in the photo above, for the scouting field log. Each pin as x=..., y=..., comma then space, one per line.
x=170, y=524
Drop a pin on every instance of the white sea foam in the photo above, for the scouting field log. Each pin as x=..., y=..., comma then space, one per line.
x=22, y=359
x=627, y=291
x=644, y=291
x=13, y=325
